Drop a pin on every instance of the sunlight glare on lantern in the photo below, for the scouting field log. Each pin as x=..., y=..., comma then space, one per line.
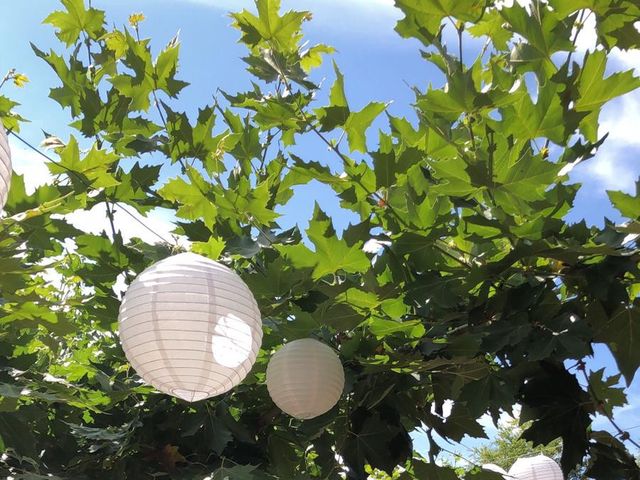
x=231, y=343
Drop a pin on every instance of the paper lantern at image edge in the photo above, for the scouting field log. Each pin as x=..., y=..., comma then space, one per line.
x=539, y=467
x=190, y=327
x=305, y=378
x=5, y=167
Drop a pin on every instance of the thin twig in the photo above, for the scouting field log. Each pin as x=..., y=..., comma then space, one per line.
x=110, y=216
x=87, y=184
x=580, y=25
x=624, y=435
x=9, y=74
x=346, y=161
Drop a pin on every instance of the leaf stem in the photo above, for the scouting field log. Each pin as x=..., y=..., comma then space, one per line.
x=579, y=26
x=459, y=29
x=8, y=75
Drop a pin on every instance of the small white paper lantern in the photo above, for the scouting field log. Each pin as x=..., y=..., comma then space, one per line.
x=305, y=378
x=190, y=327
x=5, y=167
x=535, y=468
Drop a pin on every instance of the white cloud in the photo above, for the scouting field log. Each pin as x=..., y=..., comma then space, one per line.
x=614, y=167
x=159, y=220
x=30, y=164
x=628, y=59
x=586, y=40
x=620, y=119
x=588, y=37
x=373, y=18
x=299, y=4
x=611, y=168
x=607, y=170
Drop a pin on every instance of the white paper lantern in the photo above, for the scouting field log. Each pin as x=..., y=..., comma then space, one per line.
x=536, y=468
x=190, y=327
x=5, y=167
x=305, y=378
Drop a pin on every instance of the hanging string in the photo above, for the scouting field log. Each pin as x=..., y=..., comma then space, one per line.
x=87, y=184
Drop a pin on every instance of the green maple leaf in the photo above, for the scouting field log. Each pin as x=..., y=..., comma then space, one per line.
x=358, y=123
x=527, y=178
x=139, y=86
x=312, y=58
x=595, y=90
x=607, y=390
x=95, y=166
x=337, y=112
x=545, y=118
x=542, y=31
x=76, y=91
x=491, y=25
x=298, y=255
x=337, y=97
x=166, y=66
x=211, y=248
x=116, y=42
x=193, y=204
x=442, y=104
x=333, y=254
x=134, y=185
x=616, y=24
x=453, y=176
x=283, y=32
x=423, y=17
x=76, y=19
x=620, y=332
x=272, y=113
x=381, y=327
x=247, y=202
x=9, y=118
x=459, y=96
x=628, y=205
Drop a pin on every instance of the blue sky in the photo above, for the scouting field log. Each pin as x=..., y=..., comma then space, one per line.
x=377, y=64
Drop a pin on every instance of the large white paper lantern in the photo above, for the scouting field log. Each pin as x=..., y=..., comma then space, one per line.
x=5, y=167
x=305, y=378
x=190, y=327
x=535, y=468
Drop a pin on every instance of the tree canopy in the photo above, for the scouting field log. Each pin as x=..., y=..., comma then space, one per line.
x=508, y=446
x=461, y=281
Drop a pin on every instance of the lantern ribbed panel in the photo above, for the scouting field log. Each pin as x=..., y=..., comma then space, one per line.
x=190, y=327
x=305, y=378
x=5, y=167
x=536, y=468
